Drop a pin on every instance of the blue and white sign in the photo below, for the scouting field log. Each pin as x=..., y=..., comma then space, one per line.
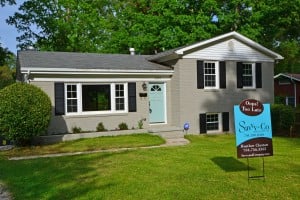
x=253, y=129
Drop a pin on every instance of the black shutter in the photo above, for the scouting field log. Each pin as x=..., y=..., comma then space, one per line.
x=200, y=74
x=239, y=74
x=132, y=97
x=59, y=92
x=225, y=121
x=258, y=75
x=202, y=123
x=222, y=72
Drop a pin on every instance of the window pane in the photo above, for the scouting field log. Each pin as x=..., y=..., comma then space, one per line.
x=120, y=99
x=209, y=75
x=72, y=105
x=212, y=122
x=120, y=104
x=71, y=98
x=247, y=75
x=96, y=97
x=291, y=101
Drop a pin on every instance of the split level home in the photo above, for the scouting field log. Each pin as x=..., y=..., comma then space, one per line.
x=287, y=86
x=196, y=84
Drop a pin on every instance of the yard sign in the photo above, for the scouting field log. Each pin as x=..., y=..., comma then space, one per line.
x=253, y=129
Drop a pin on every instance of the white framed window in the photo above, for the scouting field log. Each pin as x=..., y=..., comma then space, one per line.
x=248, y=75
x=87, y=98
x=290, y=101
x=211, y=75
x=71, y=98
x=213, y=122
x=120, y=97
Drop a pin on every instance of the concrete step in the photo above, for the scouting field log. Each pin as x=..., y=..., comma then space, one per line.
x=170, y=134
x=161, y=129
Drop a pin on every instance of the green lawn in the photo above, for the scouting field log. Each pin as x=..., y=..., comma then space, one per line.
x=207, y=168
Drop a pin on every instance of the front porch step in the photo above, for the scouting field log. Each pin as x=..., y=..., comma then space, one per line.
x=167, y=132
x=171, y=135
x=162, y=129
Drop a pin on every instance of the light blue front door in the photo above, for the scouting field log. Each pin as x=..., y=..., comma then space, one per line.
x=156, y=102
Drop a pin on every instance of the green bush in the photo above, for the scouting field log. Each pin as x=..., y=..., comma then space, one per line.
x=123, y=126
x=76, y=129
x=100, y=127
x=283, y=117
x=279, y=100
x=25, y=112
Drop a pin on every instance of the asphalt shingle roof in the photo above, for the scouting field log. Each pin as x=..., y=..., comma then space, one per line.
x=71, y=60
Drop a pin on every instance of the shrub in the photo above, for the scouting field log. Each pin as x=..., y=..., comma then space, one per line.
x=140, y=123
x=76, y=129
x=283, y=117
x=279, y=100
x=123, y=126
x=100, y=127
x=25, y=112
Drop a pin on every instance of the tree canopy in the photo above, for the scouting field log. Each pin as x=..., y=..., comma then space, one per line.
x=112, y=26
x=10, y=2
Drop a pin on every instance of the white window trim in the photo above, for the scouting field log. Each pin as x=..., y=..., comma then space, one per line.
x=284, y=82
x=112, y=96
x=253, y=76
x=287, y=101
x=217, y=74
x=220, y=126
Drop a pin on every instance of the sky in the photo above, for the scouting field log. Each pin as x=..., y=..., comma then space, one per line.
x=8, y=33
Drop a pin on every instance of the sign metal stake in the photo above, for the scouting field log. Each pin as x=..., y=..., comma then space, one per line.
x=258, y=176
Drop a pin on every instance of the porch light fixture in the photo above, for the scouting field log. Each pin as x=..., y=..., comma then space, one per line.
x=144, y=86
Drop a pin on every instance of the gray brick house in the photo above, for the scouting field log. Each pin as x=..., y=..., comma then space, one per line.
x=198, y=84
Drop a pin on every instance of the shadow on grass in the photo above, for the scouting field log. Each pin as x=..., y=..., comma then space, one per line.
x=230, y=164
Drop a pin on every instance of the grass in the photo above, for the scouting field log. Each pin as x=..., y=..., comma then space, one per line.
x=91, y=144
x=207, y=168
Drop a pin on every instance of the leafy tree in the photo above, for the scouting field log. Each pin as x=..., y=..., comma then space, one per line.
x=6, y=57
x=7, y=76
x=21, y=116
x=156, y=25
x=7, y=67
x=69, y=25
x=10, y=2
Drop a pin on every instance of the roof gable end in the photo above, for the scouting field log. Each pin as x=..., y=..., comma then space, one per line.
x=233, y=37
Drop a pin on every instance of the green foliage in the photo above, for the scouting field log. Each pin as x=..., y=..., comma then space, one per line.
x=9, y=2
x=157, y=25
x=283, y=117
x=76, y=129
x=123, y=126
x=25, y=111
x=100, y=127
x=7, y=57
x=140, y=123
x=279, y=100
x=6, y=76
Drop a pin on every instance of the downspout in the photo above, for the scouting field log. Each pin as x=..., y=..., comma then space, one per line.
x=295, y=92
x=26, y=77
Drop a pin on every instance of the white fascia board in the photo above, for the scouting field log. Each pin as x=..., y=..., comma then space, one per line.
x=286, y=76
x=236, y=35
x=181, y=51
x=98, y=80
x=94, y=71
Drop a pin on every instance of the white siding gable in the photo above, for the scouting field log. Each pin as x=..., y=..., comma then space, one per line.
x=229, y=50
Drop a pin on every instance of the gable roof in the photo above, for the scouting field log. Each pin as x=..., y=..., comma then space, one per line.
x=181, y=51
x=70, y=61
x=294, y=77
